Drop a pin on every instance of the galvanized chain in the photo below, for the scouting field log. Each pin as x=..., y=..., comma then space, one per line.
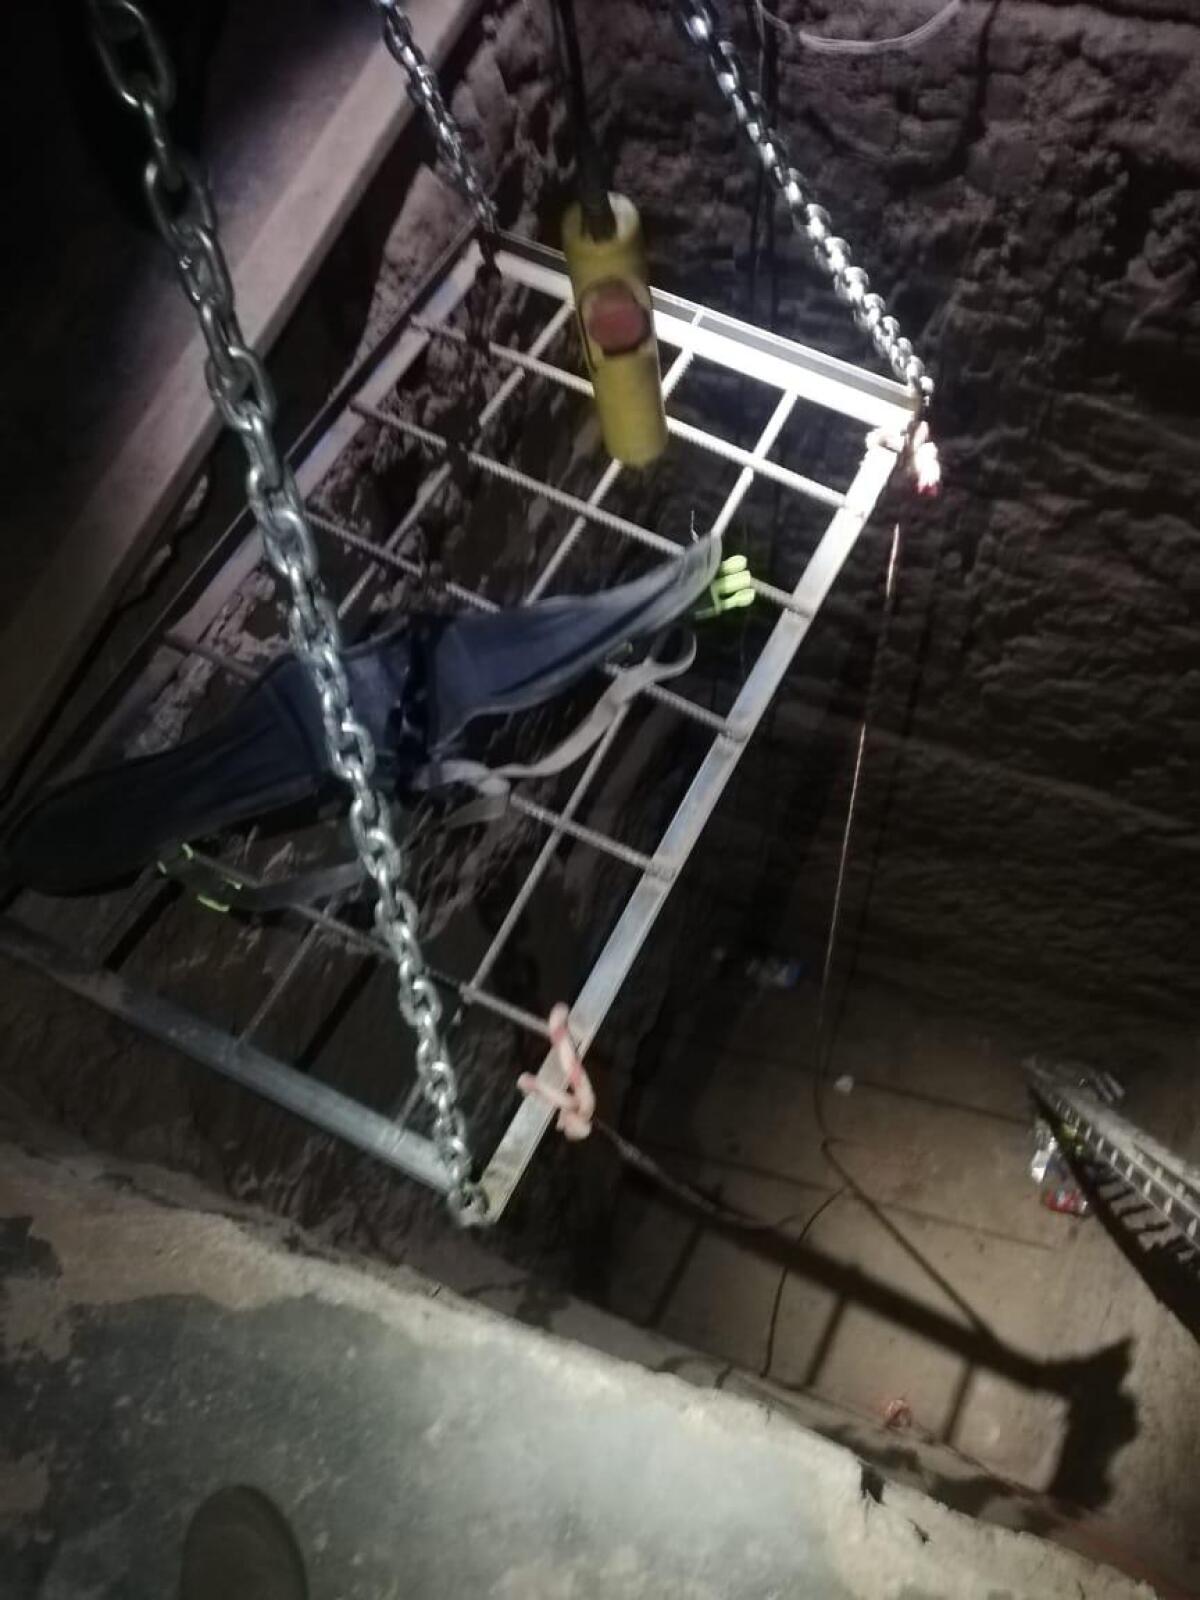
x=832, y=254
x=425, y=94
x=137, y=66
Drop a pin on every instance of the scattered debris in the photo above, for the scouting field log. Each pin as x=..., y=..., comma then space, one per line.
x=775, y=972
x=1052, y=1173
x=897, y=1414
x=1051, y=1168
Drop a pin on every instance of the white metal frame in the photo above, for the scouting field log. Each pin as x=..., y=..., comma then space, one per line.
x=797, y=373
x=797, y=376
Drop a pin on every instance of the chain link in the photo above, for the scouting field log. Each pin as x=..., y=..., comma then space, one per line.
x=181, y=205
x=832, y=254
x=425, y=94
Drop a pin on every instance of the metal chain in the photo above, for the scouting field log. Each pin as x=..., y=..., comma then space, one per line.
x=425, y=94
x=136, y=65
x=832, y=254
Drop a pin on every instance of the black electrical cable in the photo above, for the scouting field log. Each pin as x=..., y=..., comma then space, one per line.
x=763, y=221
x=767, y=87
x=568, y=37
x=591, y=175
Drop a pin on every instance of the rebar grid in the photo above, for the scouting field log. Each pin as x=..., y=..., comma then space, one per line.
x=797, y=375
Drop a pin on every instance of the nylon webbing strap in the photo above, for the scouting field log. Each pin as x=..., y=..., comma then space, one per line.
x=222, y=890
x=494, y=783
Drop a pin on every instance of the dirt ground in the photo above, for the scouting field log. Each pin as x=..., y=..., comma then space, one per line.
x=914, y=1274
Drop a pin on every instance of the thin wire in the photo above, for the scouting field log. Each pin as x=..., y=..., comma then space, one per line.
x=776, y=1305
x=835, y=917
x=633, y=1155
x=823, y=45
x=746, y=1222
x=726, y=1216
x=822, y=1055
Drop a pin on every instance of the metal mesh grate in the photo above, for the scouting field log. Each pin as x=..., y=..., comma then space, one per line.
x=504, y=446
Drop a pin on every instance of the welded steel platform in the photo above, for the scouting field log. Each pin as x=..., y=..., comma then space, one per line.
x=799, y=393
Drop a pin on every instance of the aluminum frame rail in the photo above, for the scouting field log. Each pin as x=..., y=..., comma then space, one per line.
x=1163, y=1181
x=791, y=375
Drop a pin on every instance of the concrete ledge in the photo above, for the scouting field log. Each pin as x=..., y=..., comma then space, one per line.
x=422, y=1447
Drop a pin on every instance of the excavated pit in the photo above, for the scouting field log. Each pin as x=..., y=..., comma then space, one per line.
x=1024, y=869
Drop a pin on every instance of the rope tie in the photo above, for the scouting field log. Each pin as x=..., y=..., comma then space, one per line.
x=575, y=1101
x=924, y=462
x=919, y=452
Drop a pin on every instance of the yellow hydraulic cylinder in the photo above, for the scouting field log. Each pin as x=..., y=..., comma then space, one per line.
x=616, y=323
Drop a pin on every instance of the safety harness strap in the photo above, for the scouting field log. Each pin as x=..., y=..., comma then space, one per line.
x=494, y=783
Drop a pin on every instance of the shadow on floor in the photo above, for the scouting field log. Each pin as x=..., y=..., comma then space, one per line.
x=1101, y=1415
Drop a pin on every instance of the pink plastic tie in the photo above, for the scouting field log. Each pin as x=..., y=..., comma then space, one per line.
x=920, y=455
x=925, y=462
x=575, y=1100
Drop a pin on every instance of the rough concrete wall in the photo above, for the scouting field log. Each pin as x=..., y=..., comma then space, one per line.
x=1026, y=192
